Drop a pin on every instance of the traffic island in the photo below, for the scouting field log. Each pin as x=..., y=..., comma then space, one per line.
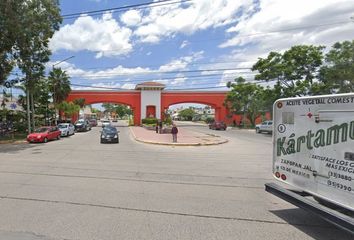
x=184, y=137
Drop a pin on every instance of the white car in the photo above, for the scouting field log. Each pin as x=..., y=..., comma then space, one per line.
x=105, y=123
x=266, y=126
x=66, y=129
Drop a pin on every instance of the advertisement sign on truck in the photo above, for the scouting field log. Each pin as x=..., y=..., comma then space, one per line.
x=314, y=146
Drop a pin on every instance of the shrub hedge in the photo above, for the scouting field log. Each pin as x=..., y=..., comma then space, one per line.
x=149, y=120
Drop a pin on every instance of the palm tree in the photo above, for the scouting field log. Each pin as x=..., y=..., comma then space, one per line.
x=59, y=85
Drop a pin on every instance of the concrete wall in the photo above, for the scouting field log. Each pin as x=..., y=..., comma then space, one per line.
x=151, y=97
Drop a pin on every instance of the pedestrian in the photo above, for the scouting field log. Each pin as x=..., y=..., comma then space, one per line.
x=157, y=127
x=234, y=122
x=174, y=132
x=160, y=126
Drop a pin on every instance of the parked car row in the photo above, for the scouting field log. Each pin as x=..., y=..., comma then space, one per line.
x=47, y=133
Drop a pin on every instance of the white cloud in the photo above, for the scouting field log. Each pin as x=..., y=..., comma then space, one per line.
x=178, y=81
x=163, y=81
x=108, y=73
x=181, y=63
x=184, y=44
x=103, y=36
x=120, y=71
x=164, y=21
x=131, y=18
x=276, y=16
x=129, y=85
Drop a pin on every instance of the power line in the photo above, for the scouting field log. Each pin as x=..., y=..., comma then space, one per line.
x=293, y=29
x=116, y=88
x=17, y=71
x=205, y=76
x=163, y=72
x=178, y=64
x=124, y=8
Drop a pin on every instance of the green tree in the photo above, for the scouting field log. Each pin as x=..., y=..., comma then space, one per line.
x=80, y=101
x=293, y=71
x=122, y=110
x=26, y=27
x=247, y=99
x=109, y=107
x=337, y=76
x=187, y=114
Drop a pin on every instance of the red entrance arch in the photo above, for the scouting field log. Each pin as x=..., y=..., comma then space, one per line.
x=129, y=97
x=168, y=98
x=213, y=99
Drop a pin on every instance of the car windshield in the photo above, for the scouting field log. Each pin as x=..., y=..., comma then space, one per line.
x=80, y=121
x=62, y=126
x=41, y=130
x=109, y=130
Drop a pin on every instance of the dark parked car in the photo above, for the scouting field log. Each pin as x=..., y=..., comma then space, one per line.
x=109, y=134
x=82, y=125
x=93, y=122
x=217, y=125
x=44, y=134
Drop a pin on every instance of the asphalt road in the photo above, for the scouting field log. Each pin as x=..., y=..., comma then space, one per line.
x=77, y=188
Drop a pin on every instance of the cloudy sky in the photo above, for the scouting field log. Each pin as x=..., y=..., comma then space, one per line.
x=188, y=44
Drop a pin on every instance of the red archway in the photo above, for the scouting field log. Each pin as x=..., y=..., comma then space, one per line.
x=213, y=99
x=133, y=98
x=129, y=97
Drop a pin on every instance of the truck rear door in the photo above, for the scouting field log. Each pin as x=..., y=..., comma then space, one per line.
x=314, y=146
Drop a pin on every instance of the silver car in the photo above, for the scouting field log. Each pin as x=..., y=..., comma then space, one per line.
x=266, y=126
x=66, y=129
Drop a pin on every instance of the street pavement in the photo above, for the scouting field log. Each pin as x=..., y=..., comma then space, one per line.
x=77, y=188
x=185, y=137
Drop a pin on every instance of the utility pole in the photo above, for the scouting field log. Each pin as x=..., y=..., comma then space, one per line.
x=28, y=111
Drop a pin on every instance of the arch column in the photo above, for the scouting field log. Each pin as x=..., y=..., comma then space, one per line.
x=136, y=114
x=220, y=113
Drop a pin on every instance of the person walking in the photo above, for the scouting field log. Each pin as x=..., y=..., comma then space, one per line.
x=157, y=127
x=174, y=132
x=160, y=126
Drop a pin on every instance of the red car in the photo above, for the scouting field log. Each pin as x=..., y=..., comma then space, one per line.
x=216, y=125
x=44, y=134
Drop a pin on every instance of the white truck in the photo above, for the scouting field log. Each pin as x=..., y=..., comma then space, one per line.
x=313, y=153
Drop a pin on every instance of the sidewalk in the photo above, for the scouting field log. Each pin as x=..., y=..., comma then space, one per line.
x=184, y=137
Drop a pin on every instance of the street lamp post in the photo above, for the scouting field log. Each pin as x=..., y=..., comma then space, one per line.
x=53, y=67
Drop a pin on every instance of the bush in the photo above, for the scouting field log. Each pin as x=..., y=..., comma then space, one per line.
x=209, y=120
x=149, y=121
x=168, y=121
x=20, y=127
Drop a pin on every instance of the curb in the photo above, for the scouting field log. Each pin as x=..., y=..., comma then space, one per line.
x=176, y=144
x=13, y=142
